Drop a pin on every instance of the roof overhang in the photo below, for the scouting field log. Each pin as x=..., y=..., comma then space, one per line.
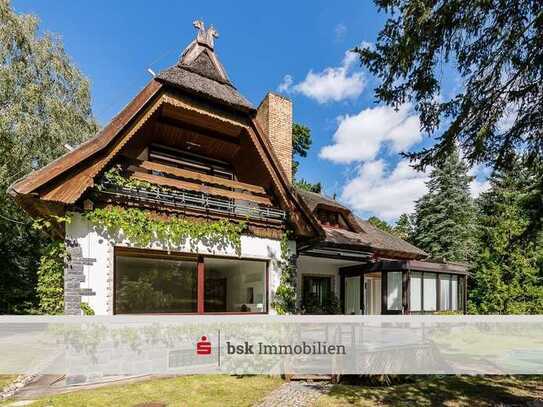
x=417, y=265
x=62, y=182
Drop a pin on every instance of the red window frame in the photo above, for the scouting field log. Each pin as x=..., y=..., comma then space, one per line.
x=200, y=275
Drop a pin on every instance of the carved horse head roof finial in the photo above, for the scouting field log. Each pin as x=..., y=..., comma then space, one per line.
x=205, y=37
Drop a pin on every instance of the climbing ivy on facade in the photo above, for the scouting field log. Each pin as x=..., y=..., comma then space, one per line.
x=142, y=228
x=114, y=176
x=50, y=286
x=284, y=300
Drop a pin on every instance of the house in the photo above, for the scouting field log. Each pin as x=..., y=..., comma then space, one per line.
x=182, y=204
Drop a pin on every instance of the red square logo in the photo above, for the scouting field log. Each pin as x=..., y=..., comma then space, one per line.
x=203, y=346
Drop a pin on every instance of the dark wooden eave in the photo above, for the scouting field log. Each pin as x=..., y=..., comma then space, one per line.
x=38, y=178
x=415, y=265
x=64, y=181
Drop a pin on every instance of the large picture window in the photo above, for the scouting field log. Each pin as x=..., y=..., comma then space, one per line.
x=430, y=292
x=233, y=285
x=154, y=284
x=149, y=281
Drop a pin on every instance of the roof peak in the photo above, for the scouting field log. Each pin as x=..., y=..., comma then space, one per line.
x=205, y=37
x=199, y=56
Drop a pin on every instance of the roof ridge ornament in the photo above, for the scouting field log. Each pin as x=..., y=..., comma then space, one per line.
x=203, y=44
x=205, y=37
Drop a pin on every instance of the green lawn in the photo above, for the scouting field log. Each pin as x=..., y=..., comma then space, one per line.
x=6, y=379
x=441, y=391
x=206, y=391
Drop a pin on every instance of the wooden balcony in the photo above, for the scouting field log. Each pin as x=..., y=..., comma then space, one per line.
x=181, y=188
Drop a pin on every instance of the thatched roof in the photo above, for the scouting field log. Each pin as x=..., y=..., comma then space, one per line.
x=381, y=240
x=313, y=199
x=365, y=236
x=205, y=87
x=200, y=72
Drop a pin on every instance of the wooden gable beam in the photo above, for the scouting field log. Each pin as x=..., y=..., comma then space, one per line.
x=46, y=174
x=70, y=190
x=190, y=186
x=181, y=173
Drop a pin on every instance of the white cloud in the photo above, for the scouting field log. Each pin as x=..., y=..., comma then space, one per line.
x=360, y=137
x=285, y=85
x=480, y=183
x=332, y=84
x=508, y=118
x=385, y=193
x=366, y=44
x=388, y=193
x=479, y=186
x=340, y=31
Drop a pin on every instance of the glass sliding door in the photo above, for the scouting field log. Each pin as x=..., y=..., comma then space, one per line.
x=372, y=295
x=352, y=296
x=454, y=292
x=154, y=284
x=415, y=292
x=152, y=281
x=429, y=289
x=233, y=285
x=445, y=292
x=394, y=291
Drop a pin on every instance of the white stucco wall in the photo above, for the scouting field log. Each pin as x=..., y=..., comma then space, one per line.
x=100, y=246
x=314, y=266
x=317, y=266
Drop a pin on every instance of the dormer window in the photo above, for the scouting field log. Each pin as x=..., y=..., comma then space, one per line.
x=332, y=219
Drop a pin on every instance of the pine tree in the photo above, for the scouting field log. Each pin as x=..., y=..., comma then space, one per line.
x=404, y=227
x=495, y=48
x=444, y=217
x=380, y=224
x=508, y=270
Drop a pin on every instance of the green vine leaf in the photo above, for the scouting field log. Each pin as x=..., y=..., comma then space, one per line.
x=141, y=228
x=284, y=300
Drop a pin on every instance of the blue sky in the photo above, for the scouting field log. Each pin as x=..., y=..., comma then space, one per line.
x=296, y=47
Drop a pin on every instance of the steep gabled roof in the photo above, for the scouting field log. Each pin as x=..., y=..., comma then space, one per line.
x=198, y=73
x=89, y=148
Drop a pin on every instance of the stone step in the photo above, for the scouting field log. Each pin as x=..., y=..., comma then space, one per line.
x=311, y=377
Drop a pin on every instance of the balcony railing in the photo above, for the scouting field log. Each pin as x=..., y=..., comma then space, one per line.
x=194, y=200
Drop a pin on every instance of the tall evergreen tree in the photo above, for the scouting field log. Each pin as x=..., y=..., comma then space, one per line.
x=380, y=224
x=404, y=228
x=44, y=104
x=496, y=50
x=508, y=270
x=444, y=217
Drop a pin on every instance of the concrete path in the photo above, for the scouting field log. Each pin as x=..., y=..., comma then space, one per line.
x=296, y=394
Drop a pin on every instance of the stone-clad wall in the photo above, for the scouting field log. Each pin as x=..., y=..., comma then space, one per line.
x=73, y=277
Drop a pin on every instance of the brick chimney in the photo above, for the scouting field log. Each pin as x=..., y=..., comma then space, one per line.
x=274, y=115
